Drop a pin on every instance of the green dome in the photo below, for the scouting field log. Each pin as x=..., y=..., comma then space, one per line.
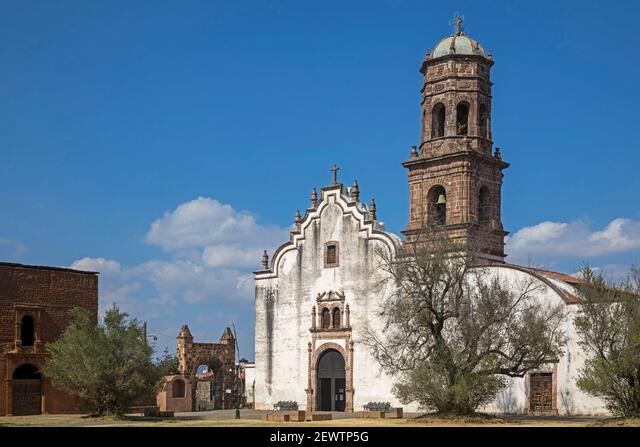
x=457, y=44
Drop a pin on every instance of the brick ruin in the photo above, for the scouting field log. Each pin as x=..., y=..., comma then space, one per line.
x=35, y=305
x=184, y=391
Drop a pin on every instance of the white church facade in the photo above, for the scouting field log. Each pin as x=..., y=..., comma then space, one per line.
x=324, y=288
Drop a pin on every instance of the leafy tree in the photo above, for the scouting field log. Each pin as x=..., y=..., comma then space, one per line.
x=167, y=364
x=608, y=327
x=454, y=331
x=107, y=365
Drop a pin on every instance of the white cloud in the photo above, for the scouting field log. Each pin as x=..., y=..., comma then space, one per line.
x=574, y=239
x=206, y=222
x=211, y=250
x=101, y=265
x=190, y=282
x=231, y=256
x=115, y=284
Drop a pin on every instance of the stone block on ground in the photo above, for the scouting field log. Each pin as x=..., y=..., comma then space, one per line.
x=279, y=417
x=372, y=414
x=275, y=416
x=321, y=417
x=151, y=411
x=297, y=415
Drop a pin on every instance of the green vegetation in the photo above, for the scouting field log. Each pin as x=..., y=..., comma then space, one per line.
x=107, y=366
x=608, y=326
x=455, y=331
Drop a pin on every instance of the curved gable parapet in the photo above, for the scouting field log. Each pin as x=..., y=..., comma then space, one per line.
x=334, y=195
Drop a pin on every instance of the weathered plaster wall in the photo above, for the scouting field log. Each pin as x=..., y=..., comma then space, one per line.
x=285, y=297
x=284, y=304
x=513, y=399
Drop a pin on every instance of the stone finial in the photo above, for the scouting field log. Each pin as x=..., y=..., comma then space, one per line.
x=490, y=56
x=297, y=219
x=265, y=260
x=227, y=334
x=314, y=198
x=372, y=209
x=427, y=55
x=414, y=152
x=185, y=332
x=355, y=190
x=498, y=154
x=346, y=315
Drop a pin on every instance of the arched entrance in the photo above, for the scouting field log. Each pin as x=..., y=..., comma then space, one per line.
x=26, y=390
x=208, y=390
x=331, y=381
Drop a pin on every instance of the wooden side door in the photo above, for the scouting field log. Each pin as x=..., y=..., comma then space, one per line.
x=541, y=392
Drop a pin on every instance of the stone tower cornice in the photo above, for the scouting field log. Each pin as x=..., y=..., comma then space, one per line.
x=423, y=162
x=455, y=57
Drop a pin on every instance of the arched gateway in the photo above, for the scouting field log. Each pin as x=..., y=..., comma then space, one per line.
x=331, y=381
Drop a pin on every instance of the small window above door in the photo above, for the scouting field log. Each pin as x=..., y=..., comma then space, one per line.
x=331, y=254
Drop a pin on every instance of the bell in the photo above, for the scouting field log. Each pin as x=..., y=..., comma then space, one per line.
x=441, y=200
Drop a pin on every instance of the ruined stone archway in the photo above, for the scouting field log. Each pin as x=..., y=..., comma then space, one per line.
x=220, y=360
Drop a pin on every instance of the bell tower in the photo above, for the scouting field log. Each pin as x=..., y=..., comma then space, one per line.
x=455, y=176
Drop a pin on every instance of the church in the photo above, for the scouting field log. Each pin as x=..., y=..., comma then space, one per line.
x=322, y=288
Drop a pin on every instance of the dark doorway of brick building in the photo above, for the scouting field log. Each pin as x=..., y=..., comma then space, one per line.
x=331, y=381
x=26, y=390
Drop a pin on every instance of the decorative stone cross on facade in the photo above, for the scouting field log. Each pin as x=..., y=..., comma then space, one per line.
x=457, y=22
x=335, y=170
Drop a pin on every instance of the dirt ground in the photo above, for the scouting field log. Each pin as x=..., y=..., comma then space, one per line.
x=251, y=418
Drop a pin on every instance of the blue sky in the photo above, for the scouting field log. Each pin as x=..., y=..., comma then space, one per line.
x=167, y=143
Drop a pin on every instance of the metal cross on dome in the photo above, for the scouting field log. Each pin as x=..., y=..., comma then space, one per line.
x=457, y=22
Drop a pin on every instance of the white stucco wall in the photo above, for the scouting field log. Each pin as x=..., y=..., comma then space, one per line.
x=284, y=301
x=286, y=295
x=567, y=369
x=249, y=381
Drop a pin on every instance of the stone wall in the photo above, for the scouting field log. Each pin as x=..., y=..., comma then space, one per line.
x=47, y=295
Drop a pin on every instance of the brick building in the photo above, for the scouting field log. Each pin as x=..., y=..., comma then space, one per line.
x=35, y=305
